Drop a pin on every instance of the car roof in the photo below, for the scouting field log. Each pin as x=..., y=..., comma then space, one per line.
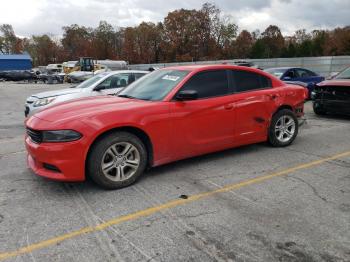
x=283, y=67
x=210, y=67
x=127, y=71
x=286, y=68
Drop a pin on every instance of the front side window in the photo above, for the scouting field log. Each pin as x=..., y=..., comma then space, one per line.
x=154, y=86
x=302, y=73
x=290, y=73
x=115, y=81
x=247, y=81
x=208, y=84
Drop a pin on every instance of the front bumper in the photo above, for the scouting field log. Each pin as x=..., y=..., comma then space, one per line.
x=57, y=161
x=333, y=106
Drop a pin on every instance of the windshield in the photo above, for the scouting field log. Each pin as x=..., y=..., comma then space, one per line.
x=278, y=72
x=90, y=81
x=154, y=86
x=344, y=75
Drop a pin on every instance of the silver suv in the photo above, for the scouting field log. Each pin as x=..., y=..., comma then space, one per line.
x=107, y=83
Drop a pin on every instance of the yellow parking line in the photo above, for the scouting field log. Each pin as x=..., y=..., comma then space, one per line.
x=156, y=209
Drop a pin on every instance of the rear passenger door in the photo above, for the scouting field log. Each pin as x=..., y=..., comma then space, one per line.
x=254, y=103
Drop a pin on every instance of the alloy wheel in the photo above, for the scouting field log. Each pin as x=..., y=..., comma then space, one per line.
x=120, y=161
x=285, y=128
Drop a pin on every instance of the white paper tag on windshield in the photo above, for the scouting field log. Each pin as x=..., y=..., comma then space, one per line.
x=171, y=78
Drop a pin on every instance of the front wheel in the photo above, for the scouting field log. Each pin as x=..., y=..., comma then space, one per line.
x=117, y=160
x=283, y=129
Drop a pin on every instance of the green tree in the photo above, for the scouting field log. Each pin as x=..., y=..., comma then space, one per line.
x=273, y=40
x=77, y=41
x=259, y=49
x=9, y=42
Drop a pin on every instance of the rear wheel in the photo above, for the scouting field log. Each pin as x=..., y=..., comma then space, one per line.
x=283, y=129
x=117, y=160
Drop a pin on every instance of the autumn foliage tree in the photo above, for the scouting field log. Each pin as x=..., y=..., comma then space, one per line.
x=184, y=35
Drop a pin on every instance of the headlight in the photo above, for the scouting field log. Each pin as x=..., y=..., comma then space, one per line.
x=60, y=136
x=44, y=101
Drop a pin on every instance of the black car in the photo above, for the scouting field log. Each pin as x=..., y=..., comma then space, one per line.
x=333, y=96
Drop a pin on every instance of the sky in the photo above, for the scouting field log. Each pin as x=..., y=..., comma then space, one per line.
x=33, y=17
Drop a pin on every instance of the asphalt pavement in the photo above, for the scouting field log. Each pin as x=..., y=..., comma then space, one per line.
x=253, y=203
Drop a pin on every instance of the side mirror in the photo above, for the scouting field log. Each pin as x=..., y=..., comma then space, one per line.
x=187, y=95
x=287, y=78
x=99, y=88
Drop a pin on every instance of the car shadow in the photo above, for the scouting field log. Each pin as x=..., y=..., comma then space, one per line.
x=167, y=169
x=202, y=159
x=330, y=116
x=88, y=186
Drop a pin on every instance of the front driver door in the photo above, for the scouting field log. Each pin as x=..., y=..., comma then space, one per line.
x=205, y=124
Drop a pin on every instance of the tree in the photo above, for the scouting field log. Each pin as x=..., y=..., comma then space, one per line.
x=77, y=41
x=43, y=50
x=273, y=40
x=219, y=30
x=182, y=34
x=103, y=41
x=259, y=49
x=9, y=43
x=243, y=45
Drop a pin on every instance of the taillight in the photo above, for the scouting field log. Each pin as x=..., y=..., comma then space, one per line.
x=306, y=93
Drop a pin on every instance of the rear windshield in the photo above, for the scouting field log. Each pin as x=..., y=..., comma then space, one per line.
x=344, y=75
x=277, y=72
x=91, y=81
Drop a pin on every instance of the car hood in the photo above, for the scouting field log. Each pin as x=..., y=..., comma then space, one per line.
x=335, y=82
x=89, y=106
x=57, y=93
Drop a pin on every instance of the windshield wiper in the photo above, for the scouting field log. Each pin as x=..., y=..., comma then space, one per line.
x=132, y=97
x=126, y=96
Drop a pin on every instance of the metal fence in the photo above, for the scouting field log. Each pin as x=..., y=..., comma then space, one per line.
x=324, y=65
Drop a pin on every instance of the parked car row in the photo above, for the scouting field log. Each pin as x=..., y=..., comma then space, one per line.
x=167, y=115
x=102, y=84
x=298, y=75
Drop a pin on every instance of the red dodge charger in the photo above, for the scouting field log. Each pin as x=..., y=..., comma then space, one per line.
x=170, y=114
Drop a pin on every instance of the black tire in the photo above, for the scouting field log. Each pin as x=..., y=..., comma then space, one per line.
x=272, y=136
x=318, y=110
x=98, y=152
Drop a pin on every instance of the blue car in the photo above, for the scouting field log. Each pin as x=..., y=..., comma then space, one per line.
x=296, y=74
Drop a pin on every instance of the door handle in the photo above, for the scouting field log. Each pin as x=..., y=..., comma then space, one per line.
x=228, y=106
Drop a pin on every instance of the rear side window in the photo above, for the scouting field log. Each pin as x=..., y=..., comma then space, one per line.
x=246, y=81
x=208, y=84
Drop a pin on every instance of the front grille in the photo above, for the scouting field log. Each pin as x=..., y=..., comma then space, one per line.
x=35, y=136
x=340, y=93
